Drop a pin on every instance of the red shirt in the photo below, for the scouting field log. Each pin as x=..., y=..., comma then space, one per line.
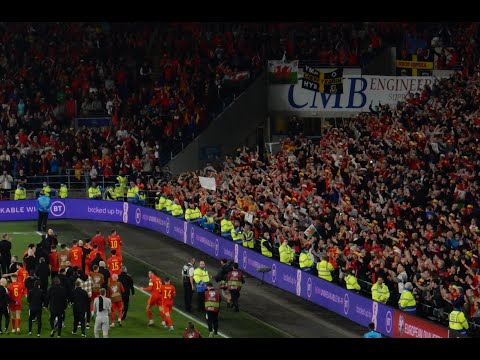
x=168, y=293
x=53, y=260
x=115, y=243
x=76, y=254
x=16, y=291
x=154, y=285
x=100, y=241
x=115, y=265
x=22, y=275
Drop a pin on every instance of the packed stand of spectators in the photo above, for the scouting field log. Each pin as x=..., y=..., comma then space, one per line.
x=53, y=72
x=394, y=194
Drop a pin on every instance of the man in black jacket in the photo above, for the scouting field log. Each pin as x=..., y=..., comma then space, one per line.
x=81, y=304
x=43, y=272
x=31, y=280
x=106, y=274
x=36, y=300
x=4, y=301
x=127, y=283
x=5, y=253
x=96, y=261
x=57, y=299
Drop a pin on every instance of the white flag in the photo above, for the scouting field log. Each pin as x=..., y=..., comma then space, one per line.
x=208, y=183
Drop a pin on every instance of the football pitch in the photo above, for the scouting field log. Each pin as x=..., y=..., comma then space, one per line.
x=135, y=325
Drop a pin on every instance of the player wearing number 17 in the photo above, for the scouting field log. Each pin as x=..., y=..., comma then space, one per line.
x=115, y=242
x=155, y=288
x=168, y=294
x=114, y=263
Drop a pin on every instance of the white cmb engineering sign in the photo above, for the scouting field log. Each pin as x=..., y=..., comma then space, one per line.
x=358, y=92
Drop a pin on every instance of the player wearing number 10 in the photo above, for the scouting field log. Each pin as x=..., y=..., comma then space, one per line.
x=155, y=287
x=168, y=294
x=115, y=242
x=114, y=263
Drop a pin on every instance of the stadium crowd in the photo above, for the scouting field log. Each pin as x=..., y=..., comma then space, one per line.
x=105, y=69
x=393, y=195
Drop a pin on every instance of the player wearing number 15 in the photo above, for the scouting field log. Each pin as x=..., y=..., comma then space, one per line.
x=155, y=288
x=115, y=242
x=168, y=294
x=114, y=263
x=16, y=290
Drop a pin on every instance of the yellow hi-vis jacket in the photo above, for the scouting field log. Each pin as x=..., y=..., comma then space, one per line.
x=226, y=226
x=352, y=283
x=265, y=251
x=94, y=192
x=457, y=320
x=407, y=301
x=324, y=269
x=380, y=293
x=63, y=192
x=286, y=253
x=20, y=194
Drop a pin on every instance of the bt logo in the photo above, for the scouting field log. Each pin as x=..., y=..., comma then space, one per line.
x=57, y=208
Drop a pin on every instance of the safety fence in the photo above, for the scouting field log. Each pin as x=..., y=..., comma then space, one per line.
x=388, y=320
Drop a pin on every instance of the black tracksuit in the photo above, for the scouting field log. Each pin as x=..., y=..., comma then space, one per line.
x=127, y=283
x=36, y=299
x=43, y=272
x=57, y=299
x=81, y=305
x=4, y=301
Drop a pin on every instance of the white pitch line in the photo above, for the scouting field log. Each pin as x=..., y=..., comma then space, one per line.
x=183, y=313
x=39, y=233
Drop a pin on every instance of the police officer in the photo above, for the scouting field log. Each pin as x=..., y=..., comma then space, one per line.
x=457, y=321
x=201, y=278
x=380, y=291
x=235, y=280
x=212, y=308
x=43, y=207
x=188, y=283
x=237, y=233
x=351, y=281
x=122, y=183
x=119, y=193
x=142, y=198
x=159, y=201
x=20, y=193
x=177, y=209
x=110, y=194
x=193, y=214
x=46, y=189
x=132, y=193
x=207, y=221
x=94, y=192
x=286, y=253
x=324, y=269
x=248, y=241
x=407, y=300
x=63, y=192
x=305, y=261
x=266, y=245
x=226, y=226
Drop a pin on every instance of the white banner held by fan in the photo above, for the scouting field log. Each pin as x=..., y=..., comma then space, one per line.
x=208, y=183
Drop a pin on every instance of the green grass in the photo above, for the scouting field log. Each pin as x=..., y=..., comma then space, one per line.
x=232, y=324
x=135, y=326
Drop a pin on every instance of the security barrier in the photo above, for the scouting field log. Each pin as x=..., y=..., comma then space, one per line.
x=389, y=321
